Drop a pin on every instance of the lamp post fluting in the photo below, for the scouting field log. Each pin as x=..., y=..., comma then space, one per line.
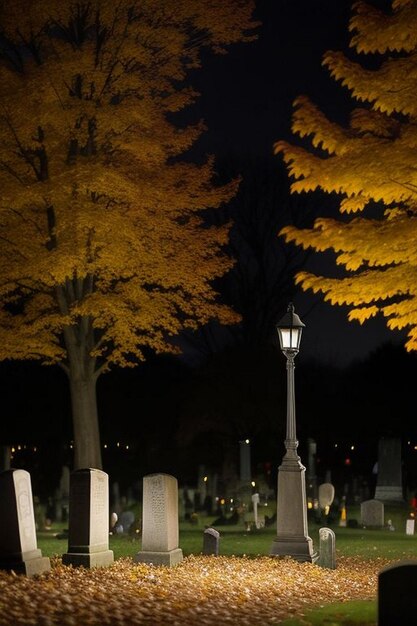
x=292, y=530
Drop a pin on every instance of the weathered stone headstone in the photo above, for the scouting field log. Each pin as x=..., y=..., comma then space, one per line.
x=126, y=519
x=372, y=514
x=160, y=535
x=389, y=482
x=18, y=547
x=211, y=540
x=327, y=550
x=88, y=539
x=326, y=496
x=409, y=526
x=397, y=598
x=255, y=502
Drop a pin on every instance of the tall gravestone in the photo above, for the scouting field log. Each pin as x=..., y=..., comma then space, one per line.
x=372, y=514
x=18, y=547
x=160, y=533
x=397, y=598
x=88, y=539
x=389, y=481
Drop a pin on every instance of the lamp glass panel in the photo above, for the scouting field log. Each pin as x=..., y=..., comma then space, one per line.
x=290, y=338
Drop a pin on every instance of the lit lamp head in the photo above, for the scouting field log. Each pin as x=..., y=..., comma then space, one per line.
x=289, y=330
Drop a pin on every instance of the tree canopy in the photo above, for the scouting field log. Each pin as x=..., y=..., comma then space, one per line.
x=103, y=245
x=370, y=163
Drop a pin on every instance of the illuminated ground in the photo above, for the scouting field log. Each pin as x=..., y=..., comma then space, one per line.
x=208, y=591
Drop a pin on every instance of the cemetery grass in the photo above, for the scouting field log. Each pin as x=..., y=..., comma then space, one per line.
x=359, y=613
x=235, y=541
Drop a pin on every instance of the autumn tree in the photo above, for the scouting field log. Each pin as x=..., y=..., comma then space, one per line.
x=103, y=247
x=370, y=163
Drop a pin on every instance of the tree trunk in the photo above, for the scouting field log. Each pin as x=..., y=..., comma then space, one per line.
x=85, y=421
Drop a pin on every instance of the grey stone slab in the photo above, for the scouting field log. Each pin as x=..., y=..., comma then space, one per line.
x=389, y=480
x=327, y=550
x=18, y=545
x=160, y=533
x=88, y=519
x=211, y=540
x=169, y=557
x=372, y=514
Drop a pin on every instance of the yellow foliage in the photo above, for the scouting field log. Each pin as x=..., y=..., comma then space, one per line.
x=371, y=163
x=102, y=242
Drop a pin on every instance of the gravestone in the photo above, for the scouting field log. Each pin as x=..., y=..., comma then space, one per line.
x=160, y=536
x=409, y=526
x=88, y=538
x=211, y=540
x=397, y=597
x=326, y=496
x=18, y=547
x=372, y=514
x=389, y=481
x=126, y=520
x=255, y=502
x=327, y=550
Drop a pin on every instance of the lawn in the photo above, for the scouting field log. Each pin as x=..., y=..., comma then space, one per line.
x=367, y=544
x=242, y=587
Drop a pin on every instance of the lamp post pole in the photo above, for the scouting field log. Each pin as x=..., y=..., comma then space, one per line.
x=292, y=530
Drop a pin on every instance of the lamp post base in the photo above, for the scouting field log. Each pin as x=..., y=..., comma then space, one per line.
x=292, y=530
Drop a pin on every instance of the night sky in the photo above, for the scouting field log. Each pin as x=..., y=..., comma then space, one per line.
x=247, y=101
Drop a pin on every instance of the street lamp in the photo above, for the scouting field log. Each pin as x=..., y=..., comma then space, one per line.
x=292, y=531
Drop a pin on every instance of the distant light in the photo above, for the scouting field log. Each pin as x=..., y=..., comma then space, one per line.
x=253, y=483
x=415, y=447
x=335, y=445
x=310, y=505
x=105, y=445
x=222, y=501
x=347, y=461
x=231, y=500
x=127, y=447
x=408, y=442
x=13, y=450
x=35, y=449
x=19, y=447
x=352, y=447
x=205, y=479
x=247, y=441
x=118, y=444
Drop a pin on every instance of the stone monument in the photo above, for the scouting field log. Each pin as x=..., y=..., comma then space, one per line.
x=18, y=547
x=389, y=487
x=160, y=534
x=372, y=514
x=88, y=539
